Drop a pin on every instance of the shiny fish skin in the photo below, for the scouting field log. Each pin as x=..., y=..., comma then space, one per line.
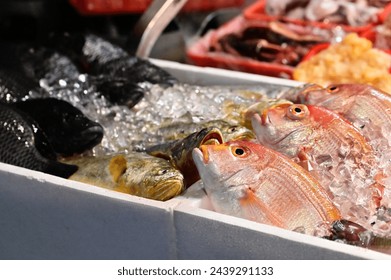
x=24, y=144
x=258, y=108
x=248, y=180
x=134, y=173
x=101, y=57
x=367, y=108
x=229, y=131
x=335, y=152
x=68, y=130
x=179, y=152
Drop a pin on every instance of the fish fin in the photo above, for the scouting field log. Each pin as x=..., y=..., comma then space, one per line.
x=256, y=210
x=61, y=169
x=304, y=160
x=117, y=167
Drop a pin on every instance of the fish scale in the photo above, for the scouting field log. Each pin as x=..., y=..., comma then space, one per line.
x=273, y=177
x=366, y=107
x=271, y=189
x=335, y=152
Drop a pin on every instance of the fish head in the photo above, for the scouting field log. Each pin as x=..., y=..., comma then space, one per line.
x=237, y=132
x=181, y=152
x=81, y=133
x=283, y=126
x=334, y=96
x=147, y=176
x=229, y=164
x=258, y=108
x=167, y=182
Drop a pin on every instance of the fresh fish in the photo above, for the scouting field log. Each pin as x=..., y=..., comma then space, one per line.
x=57, y=72
x=24, y=144
x=336, y=153
x=248, y=180
x=179, y=152
x=134, y=173
x=258, y=108
x=68, y=130
x=119, y=91
x=229, y=131
x=101, y=57
x=366, y=107
x=38, y=62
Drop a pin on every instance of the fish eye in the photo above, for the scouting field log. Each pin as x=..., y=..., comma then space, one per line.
x=297, y=112
x=163, y=171
x=233, y=128
x=239, y=151
x=332, y=89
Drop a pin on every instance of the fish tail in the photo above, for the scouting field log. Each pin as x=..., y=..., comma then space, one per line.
x=60, y=169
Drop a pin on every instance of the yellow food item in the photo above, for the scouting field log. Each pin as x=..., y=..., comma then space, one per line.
x=354, y=60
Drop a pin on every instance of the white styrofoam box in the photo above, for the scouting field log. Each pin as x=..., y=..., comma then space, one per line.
x=46, y=217
x=213, y=76
x=202, y=234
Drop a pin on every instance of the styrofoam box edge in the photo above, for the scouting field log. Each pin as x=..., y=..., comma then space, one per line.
x=47, y=217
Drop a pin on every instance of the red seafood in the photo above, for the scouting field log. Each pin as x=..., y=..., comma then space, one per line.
x=366, y=107
x=337, y=154
x=248, y=180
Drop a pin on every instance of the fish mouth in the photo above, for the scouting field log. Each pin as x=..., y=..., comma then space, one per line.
x=201, y=155
x=265, y=119
x=91, y=136
x=302, y=96
x=214, y=137
x=265, y=113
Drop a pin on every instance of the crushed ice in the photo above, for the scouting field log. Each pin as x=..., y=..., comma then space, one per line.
x=134, y=129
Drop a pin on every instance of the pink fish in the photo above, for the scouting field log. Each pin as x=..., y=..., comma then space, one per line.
x=248, y=180
x=335, y=152
x=367, y=108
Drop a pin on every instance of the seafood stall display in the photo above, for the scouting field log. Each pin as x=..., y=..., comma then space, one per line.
x=352, y=15
x=273, y=37
x=103, y=147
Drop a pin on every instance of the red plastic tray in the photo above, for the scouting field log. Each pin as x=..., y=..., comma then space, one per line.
x=199, y=54
x=100, y=7
x=257, y=11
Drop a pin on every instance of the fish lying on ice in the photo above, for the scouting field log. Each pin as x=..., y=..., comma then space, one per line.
x=68, y=130
x=248, y=180
x=101, y=57
x=134, y=173
x=24, y=144
x=56, y=72
x=366, y=107
x=336, y=153
x=258, y=108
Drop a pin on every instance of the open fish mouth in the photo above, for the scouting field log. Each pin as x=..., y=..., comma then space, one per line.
x=214, y=137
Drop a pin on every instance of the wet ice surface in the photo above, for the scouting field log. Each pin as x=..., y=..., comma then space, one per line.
x=136, y=128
